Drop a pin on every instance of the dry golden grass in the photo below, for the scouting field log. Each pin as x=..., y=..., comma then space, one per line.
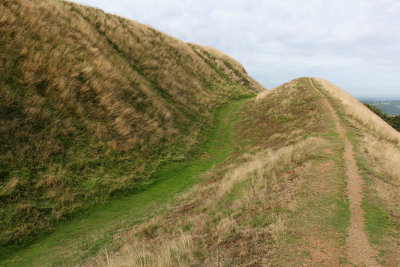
x=230, y=66
x=387, y=157
x=277, y=116
x=262, y=95
x=172, y=253
x=279, y=200
x=384, y=158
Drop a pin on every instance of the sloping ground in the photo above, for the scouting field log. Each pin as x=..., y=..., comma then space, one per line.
x=92, y=104
x=281, y=198
x=361, y=114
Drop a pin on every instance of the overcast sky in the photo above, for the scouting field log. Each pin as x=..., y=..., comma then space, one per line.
x=352, y=43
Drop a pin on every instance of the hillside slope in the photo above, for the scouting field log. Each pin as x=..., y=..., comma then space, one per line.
x=92, y=104
x=284, y=196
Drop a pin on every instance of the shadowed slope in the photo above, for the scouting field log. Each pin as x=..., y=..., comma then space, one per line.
x=79, y=239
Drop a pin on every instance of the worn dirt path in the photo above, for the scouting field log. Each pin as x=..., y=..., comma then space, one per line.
x=360, y=252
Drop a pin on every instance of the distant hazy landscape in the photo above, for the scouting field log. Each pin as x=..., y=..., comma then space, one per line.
x=390, y=107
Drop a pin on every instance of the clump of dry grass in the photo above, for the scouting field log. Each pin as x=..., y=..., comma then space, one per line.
x=177, y=252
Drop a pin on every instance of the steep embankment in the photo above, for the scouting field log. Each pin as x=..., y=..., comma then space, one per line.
x=92, y=104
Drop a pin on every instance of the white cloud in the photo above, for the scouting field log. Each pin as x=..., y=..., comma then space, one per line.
x=355, y=44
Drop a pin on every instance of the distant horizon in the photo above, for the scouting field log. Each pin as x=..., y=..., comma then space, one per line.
x=378, y=98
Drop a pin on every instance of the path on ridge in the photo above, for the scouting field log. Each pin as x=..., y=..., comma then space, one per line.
x=359, y=249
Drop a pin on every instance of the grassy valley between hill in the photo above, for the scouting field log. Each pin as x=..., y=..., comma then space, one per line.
x=281, y=196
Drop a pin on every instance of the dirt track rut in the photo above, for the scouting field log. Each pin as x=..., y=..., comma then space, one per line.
x=360, y=251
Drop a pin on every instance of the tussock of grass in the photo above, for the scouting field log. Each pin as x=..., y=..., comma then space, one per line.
x=90, y=105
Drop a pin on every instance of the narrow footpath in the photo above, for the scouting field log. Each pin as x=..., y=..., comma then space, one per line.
x=360, y=251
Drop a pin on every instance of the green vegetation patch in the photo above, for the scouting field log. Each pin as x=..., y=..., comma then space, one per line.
x=377, y=221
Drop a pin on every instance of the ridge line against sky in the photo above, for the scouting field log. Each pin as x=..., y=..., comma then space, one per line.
x=354, y=44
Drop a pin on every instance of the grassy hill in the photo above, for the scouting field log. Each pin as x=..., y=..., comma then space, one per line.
x=276, y=196
x=264, y=204
x=280, y=198
x=92, y=104
x=123, y=146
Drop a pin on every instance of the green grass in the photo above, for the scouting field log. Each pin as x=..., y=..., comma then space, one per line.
x=377, y=221
x=78, y=239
